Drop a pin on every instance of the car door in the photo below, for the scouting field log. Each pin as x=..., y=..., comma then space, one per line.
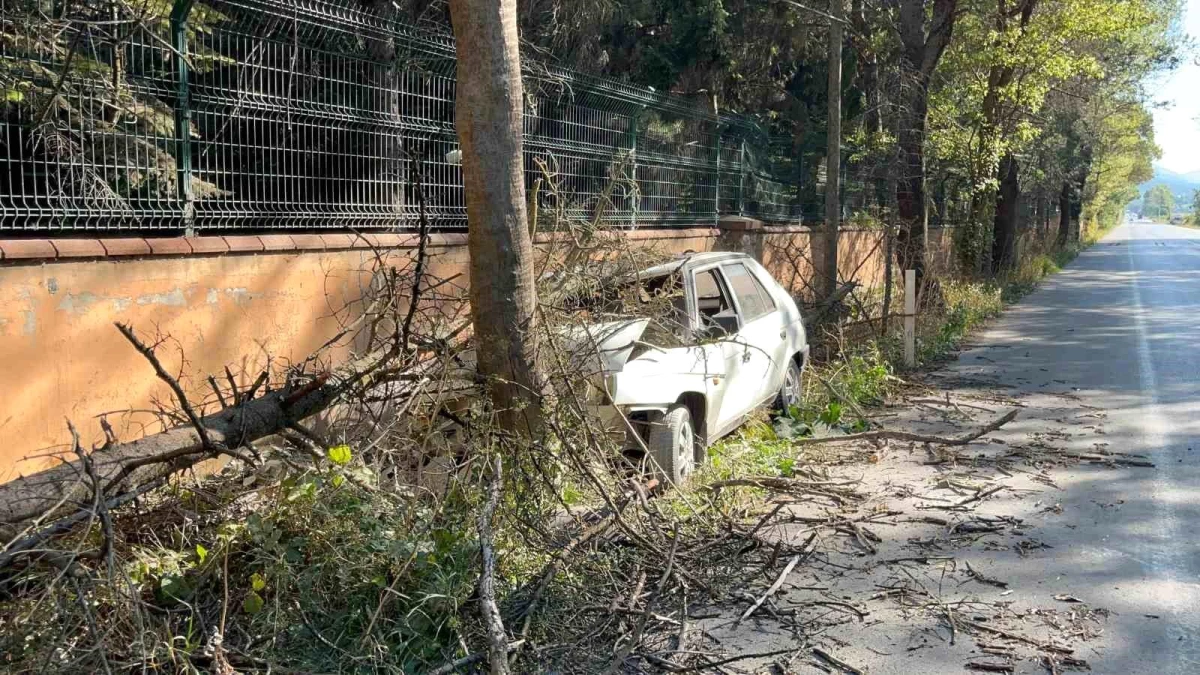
x=756, y=348
x=713, y=307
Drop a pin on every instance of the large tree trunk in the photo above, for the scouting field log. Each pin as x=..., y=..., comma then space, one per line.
x=488, y=110
x=913, y=233
x=828, y=263
x=924, y=36
x=1004, y=228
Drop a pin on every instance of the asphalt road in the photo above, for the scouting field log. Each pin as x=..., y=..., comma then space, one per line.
x=1118, y=331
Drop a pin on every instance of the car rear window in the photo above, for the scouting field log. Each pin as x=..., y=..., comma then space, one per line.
x=754, y=300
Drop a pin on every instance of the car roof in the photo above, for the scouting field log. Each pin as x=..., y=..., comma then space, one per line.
x=689, y=260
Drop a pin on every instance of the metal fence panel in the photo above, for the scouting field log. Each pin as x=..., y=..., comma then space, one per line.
x=250, y=115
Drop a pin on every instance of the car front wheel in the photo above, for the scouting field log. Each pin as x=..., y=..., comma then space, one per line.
x=673, y=445
x=791, y=393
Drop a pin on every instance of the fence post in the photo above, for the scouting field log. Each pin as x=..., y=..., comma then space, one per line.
x=183, y=115
x=742, y=177
x=910, y=318
x=633, y=166
x=717, y=182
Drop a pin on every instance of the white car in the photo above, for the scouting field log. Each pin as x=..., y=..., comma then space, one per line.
x=739, y=344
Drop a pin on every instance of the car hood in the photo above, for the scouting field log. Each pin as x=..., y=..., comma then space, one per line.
x=605, y=346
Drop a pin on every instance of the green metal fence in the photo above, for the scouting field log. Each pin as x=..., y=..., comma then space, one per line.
x=226, y=115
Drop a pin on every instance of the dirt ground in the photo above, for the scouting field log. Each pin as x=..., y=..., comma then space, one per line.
x=940, y=560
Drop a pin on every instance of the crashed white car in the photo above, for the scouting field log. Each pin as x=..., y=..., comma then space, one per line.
x=739, y=344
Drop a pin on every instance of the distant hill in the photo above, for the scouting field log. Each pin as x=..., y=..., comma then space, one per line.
x=1180, y=184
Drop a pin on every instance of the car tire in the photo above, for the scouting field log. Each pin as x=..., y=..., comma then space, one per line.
x=672, y=445
x=791, y=392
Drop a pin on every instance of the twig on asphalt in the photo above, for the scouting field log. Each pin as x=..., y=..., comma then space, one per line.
x=808, y=547
x=836, y=662
x=907, y=436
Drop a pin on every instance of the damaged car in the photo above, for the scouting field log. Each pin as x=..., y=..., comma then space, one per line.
x=705, y=341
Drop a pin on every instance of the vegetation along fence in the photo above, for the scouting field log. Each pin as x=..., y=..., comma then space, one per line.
x=262, y=114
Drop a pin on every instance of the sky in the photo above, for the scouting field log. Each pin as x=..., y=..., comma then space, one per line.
x=1177, y=125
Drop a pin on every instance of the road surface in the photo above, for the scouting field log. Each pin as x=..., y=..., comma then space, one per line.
x=1120, y=329
x=1100, y=558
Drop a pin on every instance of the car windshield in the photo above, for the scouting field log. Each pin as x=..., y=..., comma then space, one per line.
x=659, y=298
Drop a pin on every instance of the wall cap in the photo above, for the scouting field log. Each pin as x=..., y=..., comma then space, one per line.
x=739, y=224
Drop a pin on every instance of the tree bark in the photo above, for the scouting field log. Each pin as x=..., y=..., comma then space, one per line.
x=488, y=111
x=827, y=275
x=138, y=462
x=1001, y=77
x=912, y=234
x=1064, y=213
x=924, y=38
x=1004, y=227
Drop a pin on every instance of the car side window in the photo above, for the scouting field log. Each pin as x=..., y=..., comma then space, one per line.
x=754, y=300
x=711, y=298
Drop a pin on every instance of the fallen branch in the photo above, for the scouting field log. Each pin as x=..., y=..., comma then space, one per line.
x=882, y=434
x=837, y=491
x=636, y=638
x=809, y=547
x=1113, y=459
x=28, y=543
x=836, y=662
x=497, y=639
x=124, y=467
x=977, y=497
x=709, y=665
x=469, y=660
x=1044, y=646
x=981, y=578
x=989, y=667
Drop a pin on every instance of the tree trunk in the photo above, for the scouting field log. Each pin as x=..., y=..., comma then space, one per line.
x=912, y=234
x=827, y=274
x=488, y=109
x=1004, y=228
x=1064, y=213
x=924, y=36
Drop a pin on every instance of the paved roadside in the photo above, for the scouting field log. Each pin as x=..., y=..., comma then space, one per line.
x=1063, y=539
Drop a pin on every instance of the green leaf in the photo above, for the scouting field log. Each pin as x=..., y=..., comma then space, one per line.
x=201, y=553
x=253, y=603
x=338, y=480
x=13, y=96
x=339, y=454
x=258, y=581
x=832, y=413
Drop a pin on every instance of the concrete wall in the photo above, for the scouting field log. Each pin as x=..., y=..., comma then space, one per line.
x=230, y=301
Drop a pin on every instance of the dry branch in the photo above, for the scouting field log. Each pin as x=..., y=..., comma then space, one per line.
x=497, y=638
x=63, y=488
x=907, y=436
x=836, y=662
x=808, y=546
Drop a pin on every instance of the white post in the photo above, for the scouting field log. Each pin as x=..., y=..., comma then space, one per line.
x=910, y=318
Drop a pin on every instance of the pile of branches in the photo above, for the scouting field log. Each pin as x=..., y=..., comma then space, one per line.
x=368, y=515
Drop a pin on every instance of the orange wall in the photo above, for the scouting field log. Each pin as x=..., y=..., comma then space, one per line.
x=61, y=357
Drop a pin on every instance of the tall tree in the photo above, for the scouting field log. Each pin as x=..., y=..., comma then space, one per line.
x=924, y=37
x=489, y=105
x=1004, y=226
x=828, y=264
x=1160, y=203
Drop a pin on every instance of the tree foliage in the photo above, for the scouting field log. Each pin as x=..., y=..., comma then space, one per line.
x=1159, y=203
